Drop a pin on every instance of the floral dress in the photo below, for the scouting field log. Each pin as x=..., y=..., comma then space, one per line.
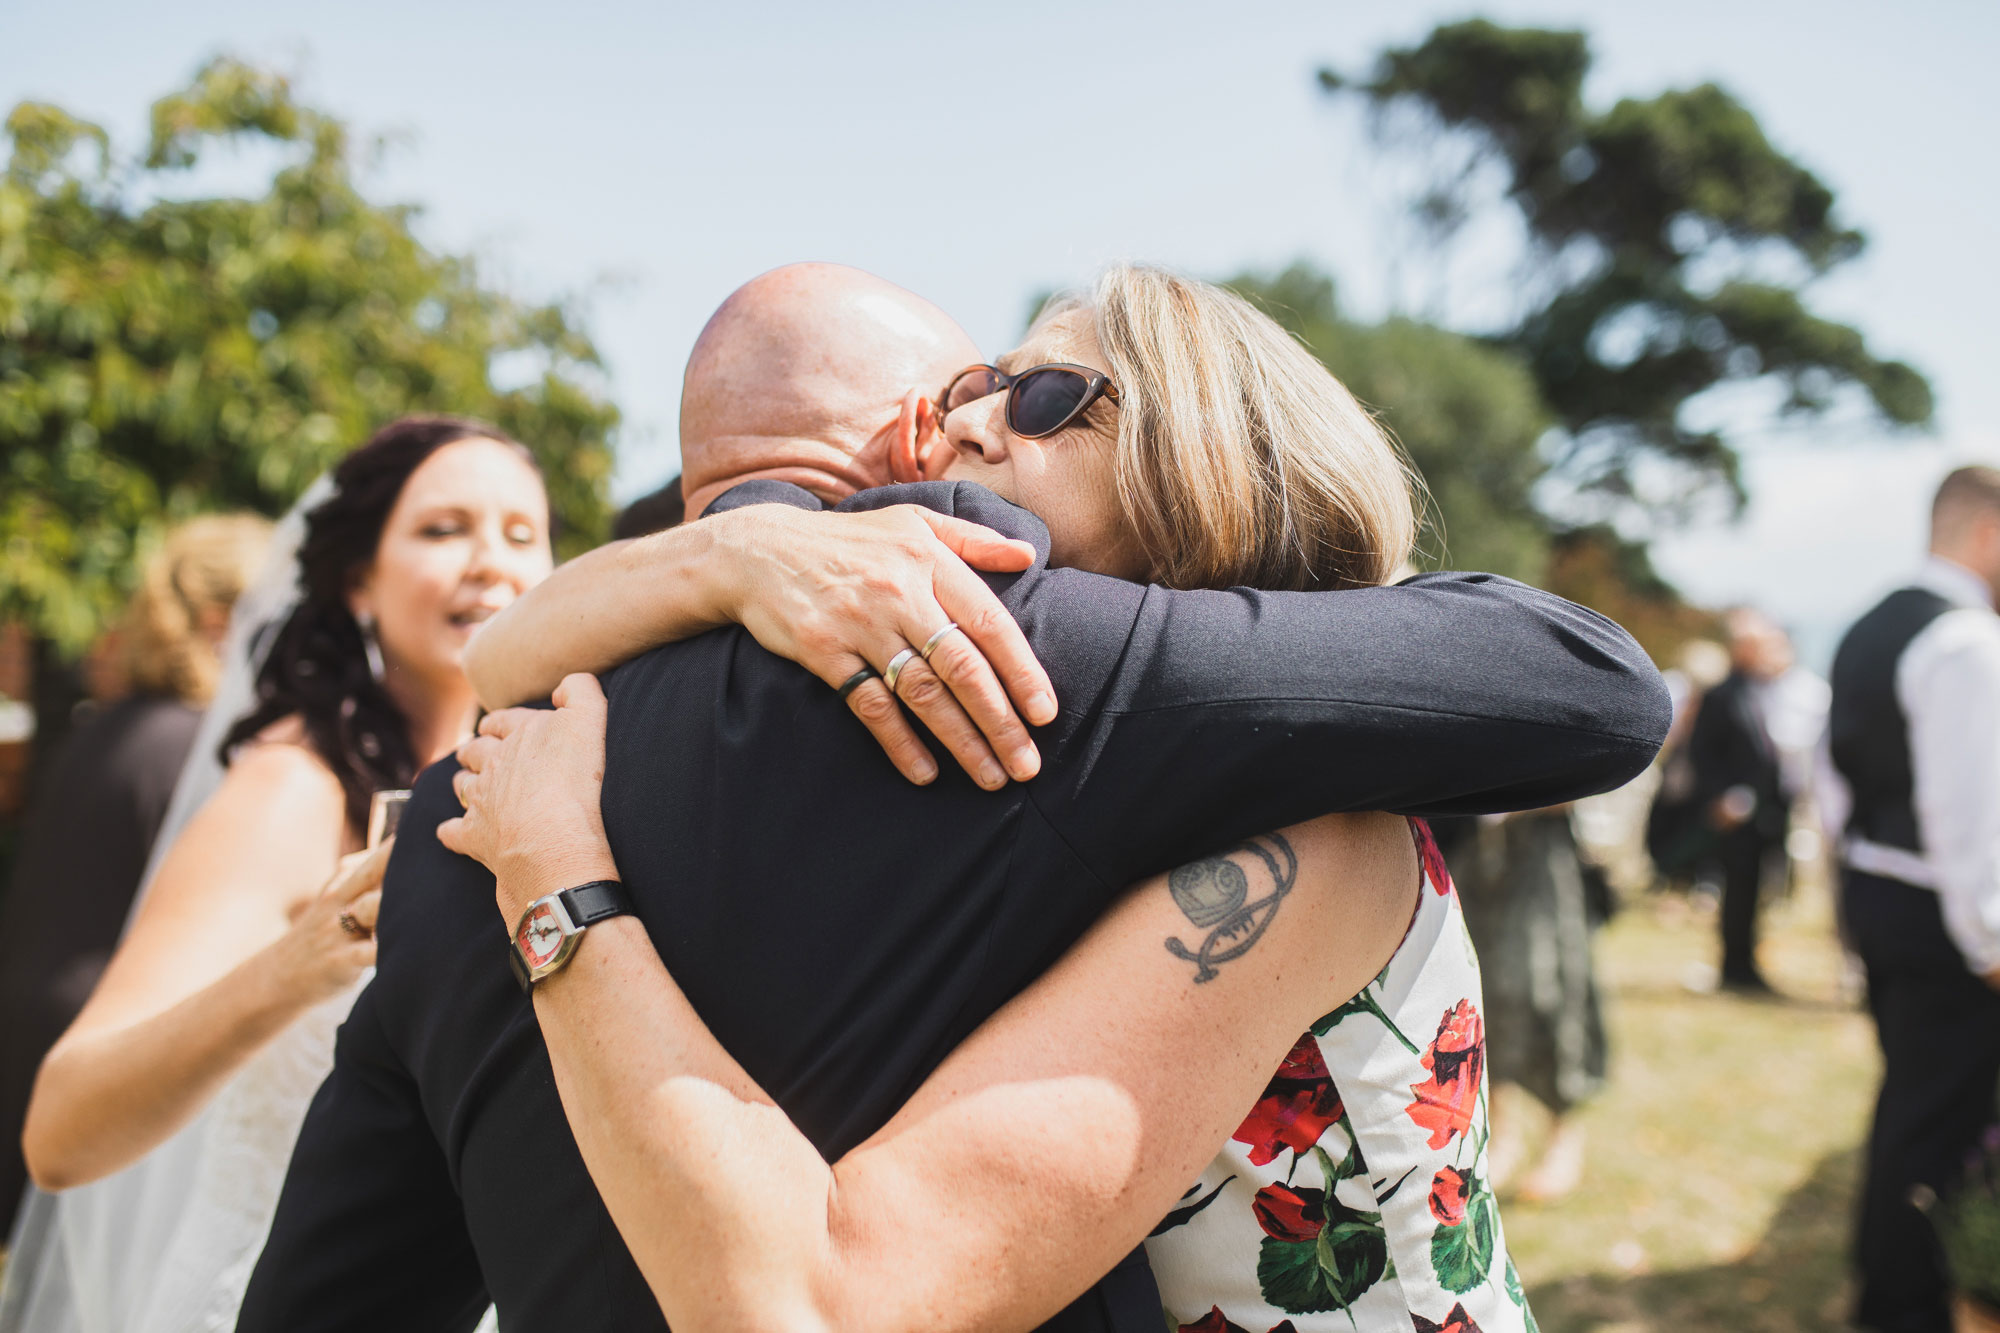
x=1354, y=1197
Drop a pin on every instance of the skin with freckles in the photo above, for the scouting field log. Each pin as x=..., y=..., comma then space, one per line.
x=1066, y=479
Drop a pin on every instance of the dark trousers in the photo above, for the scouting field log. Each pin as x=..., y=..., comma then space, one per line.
x=1939, y=1026
x=1741, y=853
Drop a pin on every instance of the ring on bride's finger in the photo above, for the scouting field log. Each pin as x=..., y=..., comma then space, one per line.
x=930, y=644
x=896, y=665
x=855, y=682
x=352, y=928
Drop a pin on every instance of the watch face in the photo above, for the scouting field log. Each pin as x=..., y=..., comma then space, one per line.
x=541, y=935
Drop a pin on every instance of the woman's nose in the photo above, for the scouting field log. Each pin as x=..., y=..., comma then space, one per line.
x=974, y=429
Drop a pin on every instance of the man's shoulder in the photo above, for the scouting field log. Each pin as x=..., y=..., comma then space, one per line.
x=1967, y=637
x=960, y=499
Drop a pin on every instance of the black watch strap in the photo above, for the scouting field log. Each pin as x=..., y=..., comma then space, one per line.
x=593, y=902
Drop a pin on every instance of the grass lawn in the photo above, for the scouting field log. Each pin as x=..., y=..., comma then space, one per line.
x=1724, y=1151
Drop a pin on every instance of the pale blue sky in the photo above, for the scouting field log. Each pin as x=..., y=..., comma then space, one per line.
x=659, y=155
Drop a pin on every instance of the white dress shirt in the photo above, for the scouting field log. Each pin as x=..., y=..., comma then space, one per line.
x=1948, y=683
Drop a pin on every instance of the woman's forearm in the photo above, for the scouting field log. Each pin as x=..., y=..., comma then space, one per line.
x=723, y=1202
x=602, y=608
x=104, y=1099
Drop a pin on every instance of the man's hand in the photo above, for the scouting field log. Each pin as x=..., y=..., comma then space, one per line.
x=530, y=782
x=840, y=592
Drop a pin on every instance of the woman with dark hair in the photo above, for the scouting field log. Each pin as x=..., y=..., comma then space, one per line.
x=248, y=944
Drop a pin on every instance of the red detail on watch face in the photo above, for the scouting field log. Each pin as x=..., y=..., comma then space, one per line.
x=540, y=936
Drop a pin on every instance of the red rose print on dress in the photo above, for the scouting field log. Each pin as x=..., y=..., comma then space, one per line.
x=1289, y=1214
x=1215, y=1322
x=1433, y=859
x=1445, y=1102
x=1295, y=1109
x=1449, y=1191
x=1458, y=1321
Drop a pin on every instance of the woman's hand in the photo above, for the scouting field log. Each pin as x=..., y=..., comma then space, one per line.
x=331, y=941
x=530, y=782
x=840, y=592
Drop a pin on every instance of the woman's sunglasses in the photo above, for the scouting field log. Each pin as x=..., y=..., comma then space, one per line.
x=1040, y=400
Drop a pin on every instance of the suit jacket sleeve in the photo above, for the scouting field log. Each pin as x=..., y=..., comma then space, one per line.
x=1225, y=713
x=369, y=1232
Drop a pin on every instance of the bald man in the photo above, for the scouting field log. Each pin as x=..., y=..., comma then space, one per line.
x=839, y=928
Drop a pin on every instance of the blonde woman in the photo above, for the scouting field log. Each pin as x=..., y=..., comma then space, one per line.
x=844, y=930
x=92, y=826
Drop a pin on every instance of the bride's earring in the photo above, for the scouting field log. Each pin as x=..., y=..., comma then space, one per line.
x=372, y=647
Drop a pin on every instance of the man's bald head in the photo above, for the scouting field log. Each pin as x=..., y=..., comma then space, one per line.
x=798, y=374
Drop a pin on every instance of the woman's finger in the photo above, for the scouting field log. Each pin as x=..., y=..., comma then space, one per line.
x=579, y=691
x=931, y=700
x=465, y=786
x=879, y=712
x=475, y=753
x=506, y=722
x=967, y=600
x=978, y=545
x=365, y=877
x=964, y=671
x=366, y=908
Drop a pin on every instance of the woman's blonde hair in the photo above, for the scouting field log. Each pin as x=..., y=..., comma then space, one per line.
x=195, y=576
x=1240, y=459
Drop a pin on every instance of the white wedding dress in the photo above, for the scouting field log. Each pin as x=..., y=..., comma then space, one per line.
x=168, y=1244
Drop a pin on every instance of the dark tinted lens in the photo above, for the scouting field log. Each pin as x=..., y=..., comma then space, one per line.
x=1043, y=400
x=970, y=387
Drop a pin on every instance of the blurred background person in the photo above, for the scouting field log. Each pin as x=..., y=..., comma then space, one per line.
x=1739, y=784
x=92, y=825
x=1915, y=733
x=1532, y=904
x=1679, y=838
x=216, y=1013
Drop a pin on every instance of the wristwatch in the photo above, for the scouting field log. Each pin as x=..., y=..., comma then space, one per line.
x=546, y=935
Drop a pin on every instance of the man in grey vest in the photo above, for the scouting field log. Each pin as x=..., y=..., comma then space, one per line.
x=1915, y=731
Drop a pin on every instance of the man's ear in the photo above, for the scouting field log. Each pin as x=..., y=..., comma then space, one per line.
x=907, y=445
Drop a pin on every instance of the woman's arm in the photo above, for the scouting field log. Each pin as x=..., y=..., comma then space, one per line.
x=832, y=592
x=1031, y=1161
x=233, y=941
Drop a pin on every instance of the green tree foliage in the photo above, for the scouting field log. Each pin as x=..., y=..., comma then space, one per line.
x=163, y=355
x=1469, y=416
x=1672, y=241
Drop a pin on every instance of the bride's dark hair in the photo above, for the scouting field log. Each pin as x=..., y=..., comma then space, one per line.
x=317, y=668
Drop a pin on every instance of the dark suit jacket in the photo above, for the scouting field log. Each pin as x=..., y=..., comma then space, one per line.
x=1729, y=747
x=841, y=930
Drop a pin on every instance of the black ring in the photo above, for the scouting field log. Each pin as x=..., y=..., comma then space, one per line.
x=855, y=681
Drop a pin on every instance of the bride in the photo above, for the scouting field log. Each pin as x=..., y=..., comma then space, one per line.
x=195, y=1057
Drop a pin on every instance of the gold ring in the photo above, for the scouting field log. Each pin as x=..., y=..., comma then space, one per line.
x=351, y=927
x=930, y=644
x=895, y=668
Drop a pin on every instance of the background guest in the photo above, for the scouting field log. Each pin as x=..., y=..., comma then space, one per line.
x=92, y=826
x=1739, y=785
x=1916, y=734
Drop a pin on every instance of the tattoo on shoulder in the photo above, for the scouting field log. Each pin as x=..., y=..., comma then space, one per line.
x=1233, y=897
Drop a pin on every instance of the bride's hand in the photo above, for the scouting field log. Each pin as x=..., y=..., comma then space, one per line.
x=331, y=940
x=530, y=782
x=840, y=592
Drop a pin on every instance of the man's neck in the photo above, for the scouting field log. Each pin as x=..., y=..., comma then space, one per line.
x=1962, y=575
x=827, y=469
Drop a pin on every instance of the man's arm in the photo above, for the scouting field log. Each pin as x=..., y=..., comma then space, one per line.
x=369, y=1232
x=1949, y=687
x=1448, y=694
